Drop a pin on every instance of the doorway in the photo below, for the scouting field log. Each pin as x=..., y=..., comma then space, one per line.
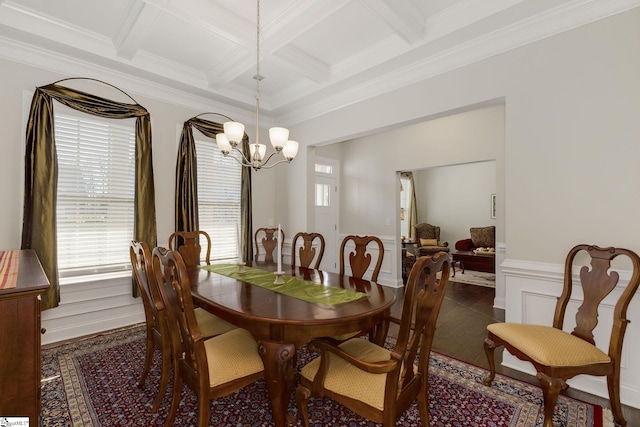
x=326, y=209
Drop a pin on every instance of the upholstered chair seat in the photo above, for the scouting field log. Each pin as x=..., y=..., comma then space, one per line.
x=347, y=380
x=549, y=346
x=231, y=356
x=211, y=325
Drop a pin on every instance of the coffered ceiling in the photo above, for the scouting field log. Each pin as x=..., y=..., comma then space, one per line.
x=316, y=55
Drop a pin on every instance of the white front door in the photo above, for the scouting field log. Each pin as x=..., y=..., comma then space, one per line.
x=326, y=215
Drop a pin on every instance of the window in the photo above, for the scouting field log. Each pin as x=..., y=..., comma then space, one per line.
x=324, y=168
x=95, y=200
x=323, y=192
x=219, y=197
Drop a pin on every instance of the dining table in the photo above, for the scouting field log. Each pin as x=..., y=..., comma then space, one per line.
x=283, y=318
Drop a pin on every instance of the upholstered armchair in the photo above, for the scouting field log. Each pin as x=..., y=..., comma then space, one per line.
x=481, y=237
x=427, y=239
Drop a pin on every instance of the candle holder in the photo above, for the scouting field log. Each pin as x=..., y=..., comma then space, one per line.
x=279, y=278
x=241, y=265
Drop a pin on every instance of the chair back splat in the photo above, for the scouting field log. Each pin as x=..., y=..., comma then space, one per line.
x=307, y=252
x=388, y=381
x=187, y=243
x=558, y=355
x=267, y=237
x=360, y=259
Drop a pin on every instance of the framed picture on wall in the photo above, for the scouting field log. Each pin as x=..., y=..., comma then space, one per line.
x=493, y=206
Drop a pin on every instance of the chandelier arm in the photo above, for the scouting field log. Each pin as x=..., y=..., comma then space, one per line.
x=265, y=161
x=265, y=166
x=245, y=161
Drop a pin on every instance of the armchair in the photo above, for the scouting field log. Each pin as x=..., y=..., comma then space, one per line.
x=427, y=239
x=481, y=237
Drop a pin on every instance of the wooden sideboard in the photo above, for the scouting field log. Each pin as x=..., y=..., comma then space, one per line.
x=20, y=340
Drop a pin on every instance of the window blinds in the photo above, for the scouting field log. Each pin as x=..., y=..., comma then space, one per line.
x=95, y=200
x=219, y=196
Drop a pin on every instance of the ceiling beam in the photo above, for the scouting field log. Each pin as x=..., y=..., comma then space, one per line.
x=138, y=23
x=404, y=18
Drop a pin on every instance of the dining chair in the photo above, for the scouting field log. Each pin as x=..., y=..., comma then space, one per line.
x=188, y=244
x=558, y=355
x=211, y=367
x=372, y=381
x=307, y=252
x=267, y=237
x=360, y=260
x=155, y=319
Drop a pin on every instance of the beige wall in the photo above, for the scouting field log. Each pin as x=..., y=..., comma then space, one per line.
x=456, y=198
x=569, y=170
x=571, y=138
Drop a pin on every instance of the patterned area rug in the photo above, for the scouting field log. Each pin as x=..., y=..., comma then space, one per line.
x=477, y=278
x=92, y=382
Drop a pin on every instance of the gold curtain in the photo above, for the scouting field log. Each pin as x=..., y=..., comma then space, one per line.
x=187, y=185
x=413, y=204
x=41, y=173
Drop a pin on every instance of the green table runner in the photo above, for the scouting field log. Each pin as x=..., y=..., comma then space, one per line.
x=293, y=286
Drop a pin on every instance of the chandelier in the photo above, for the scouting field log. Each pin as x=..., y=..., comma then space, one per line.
x=234, y=131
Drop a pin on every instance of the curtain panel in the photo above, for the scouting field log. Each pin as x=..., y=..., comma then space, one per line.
x=413, y=204
x=186, y=208
x=41, y=172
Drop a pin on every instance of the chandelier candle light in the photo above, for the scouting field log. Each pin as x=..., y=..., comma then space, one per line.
x=279, y=279
x=240, y=262
x=234, y=131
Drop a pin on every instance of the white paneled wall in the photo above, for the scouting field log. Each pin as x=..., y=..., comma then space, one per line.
x=92, y=307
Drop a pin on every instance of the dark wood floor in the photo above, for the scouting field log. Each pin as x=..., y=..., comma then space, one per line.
x=461, y=330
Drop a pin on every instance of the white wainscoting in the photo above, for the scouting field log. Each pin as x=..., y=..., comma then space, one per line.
x=92, y=307
x=531, y=293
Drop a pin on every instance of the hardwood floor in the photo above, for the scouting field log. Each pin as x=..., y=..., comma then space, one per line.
x=461, y=330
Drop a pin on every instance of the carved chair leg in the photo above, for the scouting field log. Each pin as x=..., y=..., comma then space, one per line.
x=613, y=384
x=302, y=399
x=175, y=397
x=165, y=372
x=489, y=347
x=204, y=404
x=148, y=358
x=551, y=387
x=423, y=407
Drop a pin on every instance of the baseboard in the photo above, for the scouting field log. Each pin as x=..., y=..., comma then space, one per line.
x=56, y=334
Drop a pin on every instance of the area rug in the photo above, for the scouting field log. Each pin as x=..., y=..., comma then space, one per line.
x=472, y=277
x=92, y=382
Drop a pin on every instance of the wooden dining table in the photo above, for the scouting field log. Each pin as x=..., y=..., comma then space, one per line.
x=281, y=324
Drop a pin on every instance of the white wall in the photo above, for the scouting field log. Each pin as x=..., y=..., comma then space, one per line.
x=456, y=198
x=569, y=173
